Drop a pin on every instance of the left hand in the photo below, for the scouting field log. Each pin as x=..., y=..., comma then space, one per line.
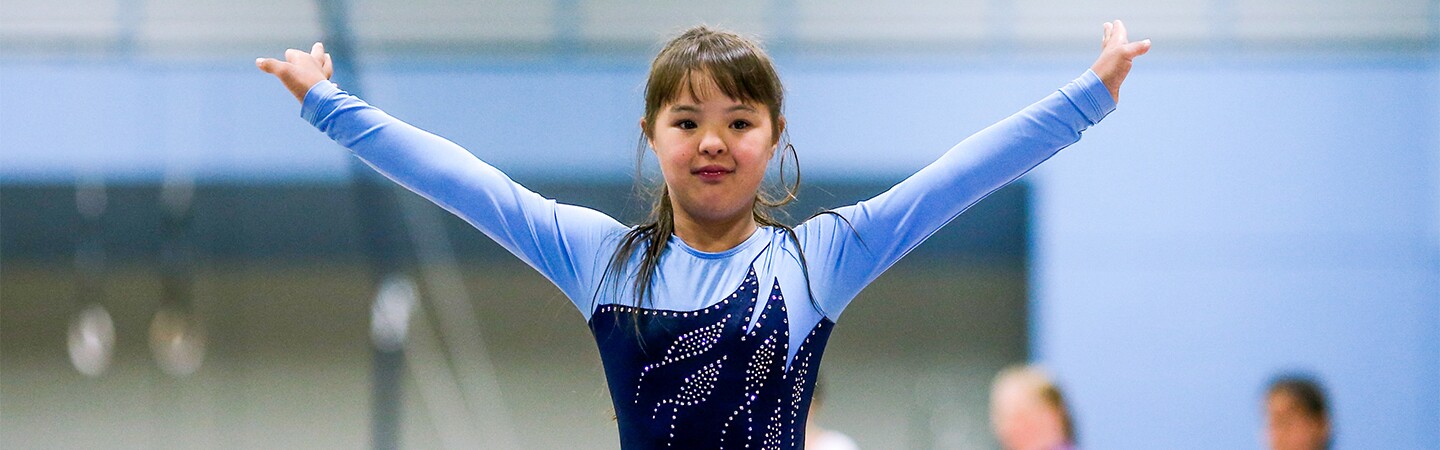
x=300, y=71
x=1116, y=54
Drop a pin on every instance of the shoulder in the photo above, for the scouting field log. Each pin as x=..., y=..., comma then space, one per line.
x=820, y=226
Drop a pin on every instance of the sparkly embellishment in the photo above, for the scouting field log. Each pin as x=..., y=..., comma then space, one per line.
x=696, y=389
x=694, y=395
x=686, y=346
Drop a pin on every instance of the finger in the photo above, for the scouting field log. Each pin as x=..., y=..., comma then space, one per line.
x=270, y=65
x=293, y=56
x=1118, y=35
x=317, y=51
x=1134, y=49
x=329, y=66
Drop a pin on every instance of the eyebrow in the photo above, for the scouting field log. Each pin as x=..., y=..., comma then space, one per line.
x=696, y=109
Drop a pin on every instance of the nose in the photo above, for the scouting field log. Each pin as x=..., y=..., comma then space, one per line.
x=711, y=144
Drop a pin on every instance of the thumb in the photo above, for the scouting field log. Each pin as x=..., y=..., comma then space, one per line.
x=1134, y=49
x=270, y=65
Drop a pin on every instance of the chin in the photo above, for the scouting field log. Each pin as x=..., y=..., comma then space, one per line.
x=710, y=213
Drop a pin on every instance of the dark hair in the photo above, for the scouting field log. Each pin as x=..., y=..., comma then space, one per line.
x=1306, y=391
x=1052, y=396
x=740, y=70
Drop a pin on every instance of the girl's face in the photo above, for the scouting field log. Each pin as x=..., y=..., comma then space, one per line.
x=713, y=151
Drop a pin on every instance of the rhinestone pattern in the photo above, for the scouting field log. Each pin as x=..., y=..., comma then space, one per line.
x=712, y=378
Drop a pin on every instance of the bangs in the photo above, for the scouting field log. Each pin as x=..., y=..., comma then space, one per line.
x=737, y=69
x=702, y=82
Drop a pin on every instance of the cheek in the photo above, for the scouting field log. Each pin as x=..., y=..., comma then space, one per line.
x=755, y=151
x=670, y=155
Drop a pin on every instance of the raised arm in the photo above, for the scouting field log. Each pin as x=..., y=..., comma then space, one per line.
x=850, y=249
x=563, y=242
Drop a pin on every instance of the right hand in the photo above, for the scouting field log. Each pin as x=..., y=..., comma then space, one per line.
x=1117, y=54
x=300, y=71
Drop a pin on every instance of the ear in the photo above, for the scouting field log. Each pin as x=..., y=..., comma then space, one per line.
x=649, y=140
x=779, y=131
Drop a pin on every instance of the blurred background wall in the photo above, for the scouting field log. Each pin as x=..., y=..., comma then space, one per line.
x=1266, y=199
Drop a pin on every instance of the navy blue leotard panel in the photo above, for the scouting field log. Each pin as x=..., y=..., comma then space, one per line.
x=710, y=378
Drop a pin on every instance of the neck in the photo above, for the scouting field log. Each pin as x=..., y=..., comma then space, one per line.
x=714, y=236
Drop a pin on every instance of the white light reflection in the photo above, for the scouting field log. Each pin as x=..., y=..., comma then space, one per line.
x=390, y=314
x=91, y=340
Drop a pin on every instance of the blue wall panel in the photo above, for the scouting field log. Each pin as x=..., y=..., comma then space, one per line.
x=1231, y=223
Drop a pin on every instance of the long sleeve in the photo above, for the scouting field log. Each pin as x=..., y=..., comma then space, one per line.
x=563, y=242
x=843, y=261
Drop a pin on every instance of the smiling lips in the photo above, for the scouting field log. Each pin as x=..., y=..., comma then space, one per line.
x=711, y=173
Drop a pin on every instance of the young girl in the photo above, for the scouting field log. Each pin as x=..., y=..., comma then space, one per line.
x=711, y=317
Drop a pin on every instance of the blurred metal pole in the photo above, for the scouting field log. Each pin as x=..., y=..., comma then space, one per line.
x=459, y=326
x=380, y=231
x=465, y=393
x=90, y=340
x=177, y=332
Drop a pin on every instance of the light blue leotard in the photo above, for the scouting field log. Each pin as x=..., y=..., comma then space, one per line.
x=727, y=354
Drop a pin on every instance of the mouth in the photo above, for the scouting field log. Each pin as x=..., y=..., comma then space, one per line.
x=711, y=172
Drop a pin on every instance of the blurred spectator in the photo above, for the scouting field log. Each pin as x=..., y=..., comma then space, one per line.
x=1029, y=412
x=819, y=438
x=1297, y=415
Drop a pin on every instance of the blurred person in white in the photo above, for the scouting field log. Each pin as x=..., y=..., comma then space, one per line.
x=1297, y=414
x=1028, y=411
x=821, y=438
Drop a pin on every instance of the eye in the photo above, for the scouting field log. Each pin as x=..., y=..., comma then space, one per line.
x=740, y=125
x=685, y=124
